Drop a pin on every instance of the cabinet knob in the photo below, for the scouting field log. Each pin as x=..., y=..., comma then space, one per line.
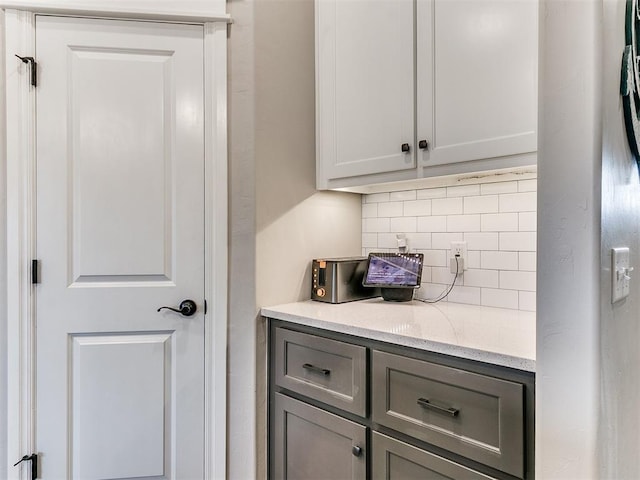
x=405, y=147
x=356, y=450
x=423, y=144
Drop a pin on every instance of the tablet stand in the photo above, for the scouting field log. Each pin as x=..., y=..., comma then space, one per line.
x=396, y=294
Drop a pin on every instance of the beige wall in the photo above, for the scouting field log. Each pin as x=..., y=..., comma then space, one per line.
x=294, y=222
x=278, y=222
x=323, y=225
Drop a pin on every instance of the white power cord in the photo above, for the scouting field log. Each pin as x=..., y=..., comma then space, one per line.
x=446, y=293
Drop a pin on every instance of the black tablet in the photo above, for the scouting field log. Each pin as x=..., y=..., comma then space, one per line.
x=394, y=270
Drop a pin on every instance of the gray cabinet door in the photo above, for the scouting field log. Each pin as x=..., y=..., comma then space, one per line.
x=396, y=460
x=310, y=443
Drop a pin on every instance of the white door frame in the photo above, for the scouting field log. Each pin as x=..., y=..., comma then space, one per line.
x=19, y=25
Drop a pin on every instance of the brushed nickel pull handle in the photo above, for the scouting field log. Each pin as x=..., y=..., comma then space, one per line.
x=425, y=403
x=313, y=368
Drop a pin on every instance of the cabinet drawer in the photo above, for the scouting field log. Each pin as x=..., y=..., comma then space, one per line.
x=479, y=417
x=396, y=460
x=330, y=371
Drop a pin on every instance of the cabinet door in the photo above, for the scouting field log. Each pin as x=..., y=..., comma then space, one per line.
x=396, y=460
x=476, y=79
x=365, y=87
x=310, y=443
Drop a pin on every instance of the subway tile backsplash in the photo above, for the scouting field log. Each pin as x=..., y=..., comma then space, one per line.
x=497, y=220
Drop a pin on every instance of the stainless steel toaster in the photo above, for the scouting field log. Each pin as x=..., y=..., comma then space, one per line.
x=339, y=280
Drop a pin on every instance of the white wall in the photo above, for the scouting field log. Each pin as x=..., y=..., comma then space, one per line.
x=569, y=152
x=620, y=324
x=278, y=222
x=588, y=389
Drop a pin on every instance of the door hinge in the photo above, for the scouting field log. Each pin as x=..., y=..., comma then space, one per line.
x=35, y=269
x=33, y=66
x=33, y=458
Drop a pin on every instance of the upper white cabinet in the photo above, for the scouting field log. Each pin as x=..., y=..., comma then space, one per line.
x=365, y=83
x=409, y=89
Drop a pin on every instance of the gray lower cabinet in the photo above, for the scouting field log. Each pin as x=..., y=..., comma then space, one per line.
x=310, y=443
x=396, y=460
x=476, y=416
x=343, y=407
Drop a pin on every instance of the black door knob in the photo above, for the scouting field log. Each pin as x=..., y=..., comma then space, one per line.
x=186, y=308
x=405, y=147
x=423, y=144
x=356, y=450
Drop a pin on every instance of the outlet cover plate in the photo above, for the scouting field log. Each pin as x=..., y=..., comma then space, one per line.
x=620, y=274
x=460, y=248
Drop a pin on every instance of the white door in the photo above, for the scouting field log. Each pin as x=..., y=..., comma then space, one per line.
x=120, y=233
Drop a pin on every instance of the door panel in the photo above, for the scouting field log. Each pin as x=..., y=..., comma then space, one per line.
x=127, y=400
x=120, y=233
x=120, y=140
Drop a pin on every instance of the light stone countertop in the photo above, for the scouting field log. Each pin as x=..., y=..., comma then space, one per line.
x=497, y=336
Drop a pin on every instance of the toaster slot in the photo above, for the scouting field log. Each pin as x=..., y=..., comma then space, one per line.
x=322, y=274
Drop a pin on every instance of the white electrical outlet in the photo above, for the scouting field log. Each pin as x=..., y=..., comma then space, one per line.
x=403, y=244
x=620, y=273
x=458, y=248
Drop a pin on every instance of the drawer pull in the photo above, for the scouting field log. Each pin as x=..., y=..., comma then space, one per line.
x=425, y=403
x=356, y=450
x=313, y=368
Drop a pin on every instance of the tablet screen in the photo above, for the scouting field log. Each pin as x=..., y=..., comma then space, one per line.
x=393, y=270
